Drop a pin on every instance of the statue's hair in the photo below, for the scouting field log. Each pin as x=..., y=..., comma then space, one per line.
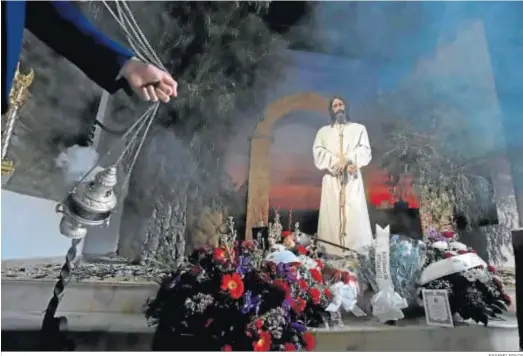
x=331, y=101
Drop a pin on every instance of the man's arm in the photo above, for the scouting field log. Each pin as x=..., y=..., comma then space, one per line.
x=323, y=158
x=63, y=27
x=362, y=154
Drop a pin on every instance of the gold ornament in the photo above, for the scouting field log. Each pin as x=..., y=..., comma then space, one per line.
x=17, y=98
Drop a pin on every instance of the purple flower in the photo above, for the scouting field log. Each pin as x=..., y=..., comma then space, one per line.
x=286, y=305
x=434, y=235
x=250, y=302
x=299, y=326
x=244, y=265
x=284, y=270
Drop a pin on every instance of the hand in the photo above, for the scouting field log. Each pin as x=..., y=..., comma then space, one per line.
x=339, y=167
x=149, y=82
x=352, y=169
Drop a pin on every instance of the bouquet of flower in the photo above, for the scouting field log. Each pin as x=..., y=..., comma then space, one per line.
x=405, y=267
x=316, y=290
x=230, y=299
x=475, y=290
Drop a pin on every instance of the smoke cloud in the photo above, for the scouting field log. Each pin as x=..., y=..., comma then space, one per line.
x=75, y=162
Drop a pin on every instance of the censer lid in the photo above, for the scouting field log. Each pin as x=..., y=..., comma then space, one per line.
x=107, y=177
x=97, y=195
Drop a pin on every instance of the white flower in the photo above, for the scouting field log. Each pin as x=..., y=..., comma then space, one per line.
x=307, y=262
x=482, y=276
x=458, y=246
x=440, y=245
x=470, y=275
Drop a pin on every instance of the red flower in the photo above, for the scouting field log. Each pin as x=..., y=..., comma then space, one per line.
x=506, y=299
x=327, y=293
x=316, y=275
x=289, y=347
x=309, y=341
x=293, y=271
x=348, y=278
x=285, y=233
x=448, y=234
x=227, y=348
x=248, y=244
x=219, y=254
x=258, y=323
x=302, y=283
x=299, y=305
x=301, y=250
x=491, y=269
x=233, y=284
x=448, y=255
x=280, y=283
x=319, y=263
x=315, y=295
x=264, y=342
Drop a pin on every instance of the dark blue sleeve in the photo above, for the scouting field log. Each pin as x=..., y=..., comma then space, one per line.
x=63, y=27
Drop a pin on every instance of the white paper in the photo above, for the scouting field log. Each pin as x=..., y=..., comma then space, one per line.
x=386, y=304
x=382, y=258
x=437, y=308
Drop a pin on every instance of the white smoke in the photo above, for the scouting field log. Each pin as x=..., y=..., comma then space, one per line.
x=75, y=162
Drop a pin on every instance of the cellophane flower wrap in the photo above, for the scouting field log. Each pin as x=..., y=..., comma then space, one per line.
x=323, y=291
x=477, y=293
x=405, y=267
x=232, y=300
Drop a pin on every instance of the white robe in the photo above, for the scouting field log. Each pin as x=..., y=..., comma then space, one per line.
x=358, y=233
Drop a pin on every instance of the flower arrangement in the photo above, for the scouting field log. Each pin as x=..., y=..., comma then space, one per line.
x=229, y=299
x=405, y=267
x=475, y=289
x=240, y=297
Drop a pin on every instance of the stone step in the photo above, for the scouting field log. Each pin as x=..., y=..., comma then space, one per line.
x=113, y=332
x=108, y=316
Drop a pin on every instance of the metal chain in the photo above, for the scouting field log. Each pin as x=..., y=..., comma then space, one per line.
x=54, y=336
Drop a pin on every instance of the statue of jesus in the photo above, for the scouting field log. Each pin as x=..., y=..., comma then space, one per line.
x=340, y=150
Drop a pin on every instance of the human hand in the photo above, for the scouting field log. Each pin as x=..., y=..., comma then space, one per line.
x=352, y=169
x=339, y=167
x=149, y=82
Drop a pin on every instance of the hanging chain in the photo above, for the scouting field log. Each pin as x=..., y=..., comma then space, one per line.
x=54, y=336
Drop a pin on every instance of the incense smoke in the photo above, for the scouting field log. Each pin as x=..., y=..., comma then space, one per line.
x=75, y=162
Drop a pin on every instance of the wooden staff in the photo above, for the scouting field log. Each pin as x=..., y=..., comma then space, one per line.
x=343, y=183
x=335, y=245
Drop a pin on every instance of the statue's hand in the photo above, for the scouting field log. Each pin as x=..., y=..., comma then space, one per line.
x=339, y=167
x=352, y=169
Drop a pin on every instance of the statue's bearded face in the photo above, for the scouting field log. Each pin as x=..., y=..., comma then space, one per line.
x=338, y=111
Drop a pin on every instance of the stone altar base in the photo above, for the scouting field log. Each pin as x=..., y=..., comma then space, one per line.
x=107, y=316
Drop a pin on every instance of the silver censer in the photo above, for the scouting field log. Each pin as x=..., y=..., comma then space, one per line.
x=89, y=204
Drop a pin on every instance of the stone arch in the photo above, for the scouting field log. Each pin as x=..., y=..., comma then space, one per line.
x=259, y=182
